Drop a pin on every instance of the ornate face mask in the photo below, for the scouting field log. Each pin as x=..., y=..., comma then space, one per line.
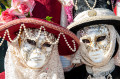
x=97, y=43
x=37, y=52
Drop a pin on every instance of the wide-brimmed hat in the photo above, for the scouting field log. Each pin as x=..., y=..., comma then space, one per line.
x=98, y=15
x=68, y=42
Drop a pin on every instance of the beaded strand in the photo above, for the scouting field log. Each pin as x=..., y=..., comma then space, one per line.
x=69, y=44
x=3, y=38
x=20, y=30
x=29, y=36
x=22, y=25
x=48, y=38
x=89, y=5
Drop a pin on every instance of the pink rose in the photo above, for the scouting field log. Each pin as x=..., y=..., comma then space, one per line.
x=22, y=7
x=6, y=16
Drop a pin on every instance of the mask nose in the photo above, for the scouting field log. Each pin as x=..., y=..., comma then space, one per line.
x=94, y=45
x=37, y=51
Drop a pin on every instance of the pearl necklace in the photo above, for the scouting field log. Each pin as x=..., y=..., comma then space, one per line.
x=40, y=29
x=89, y=5
x=76, y=7
x=92, y=12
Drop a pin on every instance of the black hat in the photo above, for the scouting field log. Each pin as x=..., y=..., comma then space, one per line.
x=101, y=13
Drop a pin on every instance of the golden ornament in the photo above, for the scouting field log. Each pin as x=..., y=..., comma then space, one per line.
x=92, y=13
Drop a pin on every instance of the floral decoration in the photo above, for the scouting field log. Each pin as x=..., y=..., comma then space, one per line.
x=17, y=9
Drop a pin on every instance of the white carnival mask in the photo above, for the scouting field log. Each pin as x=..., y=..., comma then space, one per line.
x=97, y=43
x=37, y=52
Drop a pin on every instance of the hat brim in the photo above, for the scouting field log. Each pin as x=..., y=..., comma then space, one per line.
x=111, y=20
x=14, y=26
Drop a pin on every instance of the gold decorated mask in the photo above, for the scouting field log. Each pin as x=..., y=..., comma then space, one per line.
x=96, y=43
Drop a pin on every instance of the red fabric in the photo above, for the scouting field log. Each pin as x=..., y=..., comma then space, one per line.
x=2, y=75
x=45, y=8
x=51, y=28
x=115, y=10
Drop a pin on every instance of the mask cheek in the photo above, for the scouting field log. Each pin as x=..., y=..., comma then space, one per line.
x=24, y=54
x=25, y=50
x=48, y=51
x=103, y=43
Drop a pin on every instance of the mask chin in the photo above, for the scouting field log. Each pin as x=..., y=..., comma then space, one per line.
x=36, y=64
x=97, y=56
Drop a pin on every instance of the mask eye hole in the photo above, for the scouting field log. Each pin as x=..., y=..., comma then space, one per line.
x=32, y=42
x=46, y=44
x=101, y=38
x=86, y=41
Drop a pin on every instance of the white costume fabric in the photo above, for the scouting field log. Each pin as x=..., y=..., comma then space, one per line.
x=100, y=70
x=16, y=68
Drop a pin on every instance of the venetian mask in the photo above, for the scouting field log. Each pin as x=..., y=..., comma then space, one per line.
x=97, y=43
x=36, y=53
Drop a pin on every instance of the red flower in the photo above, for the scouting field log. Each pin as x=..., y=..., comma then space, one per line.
x=7, y=16
x=2, y=75
x=22, y=7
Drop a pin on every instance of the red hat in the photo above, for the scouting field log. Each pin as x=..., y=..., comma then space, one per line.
x=45, y=8
x=68, y=42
